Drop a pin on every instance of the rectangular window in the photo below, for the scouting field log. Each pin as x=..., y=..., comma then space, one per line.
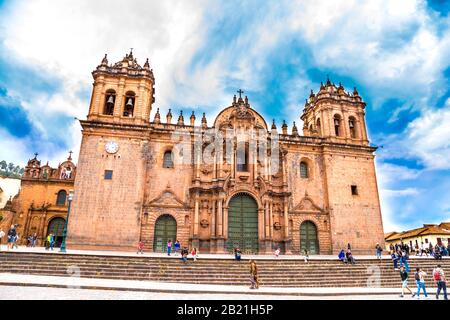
x=108, y=174
x=354, y=190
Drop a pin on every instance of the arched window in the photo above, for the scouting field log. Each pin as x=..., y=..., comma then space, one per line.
x=168, y=159
x=337, y=125
x=130, y=99
x=110, y=100
x=319, y=127
x=352, y=126
x=304, y=170
x=61, y=198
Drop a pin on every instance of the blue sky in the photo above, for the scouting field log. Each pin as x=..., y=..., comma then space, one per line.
x=395, y=52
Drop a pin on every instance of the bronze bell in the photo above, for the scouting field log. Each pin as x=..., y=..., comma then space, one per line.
x=110, y=100
x=130, y=103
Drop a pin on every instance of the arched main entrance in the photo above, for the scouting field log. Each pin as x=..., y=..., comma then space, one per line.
x=243, y=224
x=308, y=238
x=56, y=226
x=165, y=229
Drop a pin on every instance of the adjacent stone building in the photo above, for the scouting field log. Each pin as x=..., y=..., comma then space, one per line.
x=316, y=191
x=41, y=205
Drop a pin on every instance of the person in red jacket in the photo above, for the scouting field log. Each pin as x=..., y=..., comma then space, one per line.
x=140, y=247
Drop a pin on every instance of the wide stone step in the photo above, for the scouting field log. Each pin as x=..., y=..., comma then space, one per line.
x=284, y=273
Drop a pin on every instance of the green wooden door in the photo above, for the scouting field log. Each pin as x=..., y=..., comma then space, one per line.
x=308, y=238
x=243, y=224
x=165, y=229
x=56, y=226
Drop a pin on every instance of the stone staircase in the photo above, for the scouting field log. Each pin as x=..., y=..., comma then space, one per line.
x=275, y=273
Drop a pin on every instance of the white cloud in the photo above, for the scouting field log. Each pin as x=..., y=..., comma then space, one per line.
x=400, y=193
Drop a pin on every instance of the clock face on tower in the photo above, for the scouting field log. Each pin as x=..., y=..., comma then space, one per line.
x=111, y=147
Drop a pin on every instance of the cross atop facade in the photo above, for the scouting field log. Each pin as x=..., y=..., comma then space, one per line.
x=240, y=93
x=35, y=155
x=70, y=155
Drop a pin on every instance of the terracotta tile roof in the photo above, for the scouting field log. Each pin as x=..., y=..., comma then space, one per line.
x=389, y=234
x=427, y=229
x=445, y=225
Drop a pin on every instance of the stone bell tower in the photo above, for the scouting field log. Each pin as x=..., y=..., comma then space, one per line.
x=123, y=92
x=111, y=170
x=335, y=114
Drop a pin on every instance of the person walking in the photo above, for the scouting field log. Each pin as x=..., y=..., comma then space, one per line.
x=439, y=278
x=52, y=241
x=378, y=251
x=404, y=277
x=254, y=275
x=140, y=248
x=2, y=234
x=169, y=247
x=47, y=242
x=419, y=276
x=11, y=236
x=177, y=247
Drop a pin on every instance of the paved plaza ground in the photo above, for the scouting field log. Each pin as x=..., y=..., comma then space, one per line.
x=32, y=293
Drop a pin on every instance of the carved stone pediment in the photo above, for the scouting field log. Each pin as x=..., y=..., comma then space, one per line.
x=307, y=205
x=167, y=199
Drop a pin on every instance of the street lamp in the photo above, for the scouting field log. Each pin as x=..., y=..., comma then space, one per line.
x=63, y=243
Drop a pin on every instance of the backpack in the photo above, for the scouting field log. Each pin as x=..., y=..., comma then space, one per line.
x=417, y=276
x=436, y=275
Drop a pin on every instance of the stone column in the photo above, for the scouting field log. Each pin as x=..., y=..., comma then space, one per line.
x=196, y=215
x=120, y=96
x=287, y=239
x=271, y=220
x=219, y=218
x=220, y=243
x=97, y=101
x=213, y=218
x=266, y=220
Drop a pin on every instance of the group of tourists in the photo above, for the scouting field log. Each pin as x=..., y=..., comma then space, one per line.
x=419, y=277
x=347, y=256
x=437, y=251
x=183, y=252
x=11, y=239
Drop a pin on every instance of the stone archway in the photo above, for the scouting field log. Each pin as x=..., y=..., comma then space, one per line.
x=165, y=230
x=243, y=223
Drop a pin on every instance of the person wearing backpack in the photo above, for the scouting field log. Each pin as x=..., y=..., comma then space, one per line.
x=419, y=276
x=439, y=278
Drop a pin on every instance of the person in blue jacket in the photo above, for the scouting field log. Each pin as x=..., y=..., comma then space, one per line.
x=341, y=255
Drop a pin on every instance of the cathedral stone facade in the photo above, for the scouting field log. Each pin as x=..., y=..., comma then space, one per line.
x=315, y=191
x=40, y=207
